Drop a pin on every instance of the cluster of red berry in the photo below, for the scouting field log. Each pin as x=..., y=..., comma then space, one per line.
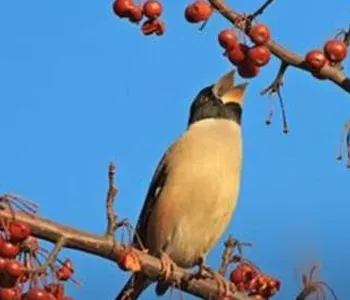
x=334, y=52
x=151, y=9
x=248, y=60
x=248, y=278
x=19, y=265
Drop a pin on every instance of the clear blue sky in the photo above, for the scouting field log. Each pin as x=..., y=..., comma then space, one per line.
x=79, y=87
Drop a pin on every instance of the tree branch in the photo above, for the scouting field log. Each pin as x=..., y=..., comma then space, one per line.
x=104, y=247
x=333, y=74
x=111, y=194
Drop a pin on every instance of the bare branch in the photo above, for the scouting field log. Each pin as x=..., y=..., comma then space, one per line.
x=227, y=255
x=111, y=194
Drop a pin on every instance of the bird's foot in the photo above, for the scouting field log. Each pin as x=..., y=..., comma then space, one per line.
x=168, y=268
x=205, y=271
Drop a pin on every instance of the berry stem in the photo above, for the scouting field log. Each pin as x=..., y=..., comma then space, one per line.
x=344, y=138
x=50, y=259
x=271, y=112
x=275, y=88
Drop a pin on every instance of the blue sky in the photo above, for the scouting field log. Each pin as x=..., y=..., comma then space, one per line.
x=80, y=87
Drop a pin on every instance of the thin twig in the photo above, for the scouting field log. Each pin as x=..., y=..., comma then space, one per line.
x=52, y=256
x=311, y=286
x=111, y=194
x=275, y=88
x=347, y=37
x=346, y=129
x=261, y=9
x=227, y=255
x=278, y=81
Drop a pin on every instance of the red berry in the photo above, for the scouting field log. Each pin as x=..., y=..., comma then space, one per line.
x=160, y=27
x=8, y=249
x=135, y=14
x=68, y=264
x=315, y=60
x=14, y=268
x=19, y=231
x=259, y=55
x=265, y=285
x=3, y=262
x=318, y=75
x=63, y=274
x=256, y=296
x=198, y=11
x=335, y=50
x=9, y=294
x=238, y=55
x=151, y=26
x=227, y=39
x=243, y=273
x=37, y=294
x=259, y=34
x=122, y=7
x=152, y=9
x=66, y=271
x=237, y=275
x=248, y=70
x=55, y=289
x=52, y=297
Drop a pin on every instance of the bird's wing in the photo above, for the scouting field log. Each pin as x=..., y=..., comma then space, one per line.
x=154, y=190
x=138, y=281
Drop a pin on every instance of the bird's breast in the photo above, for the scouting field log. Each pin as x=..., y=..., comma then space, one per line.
x=201, y=190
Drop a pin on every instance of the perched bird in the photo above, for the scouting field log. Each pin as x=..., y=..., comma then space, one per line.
x=195, y=188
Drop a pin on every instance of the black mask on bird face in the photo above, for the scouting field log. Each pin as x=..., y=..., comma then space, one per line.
x=222, y=100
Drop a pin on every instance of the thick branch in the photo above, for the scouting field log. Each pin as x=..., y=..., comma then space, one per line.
x=282, y=53
x=104, y=247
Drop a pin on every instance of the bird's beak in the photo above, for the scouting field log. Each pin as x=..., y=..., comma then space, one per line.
x=227, y=91
x=224, y=84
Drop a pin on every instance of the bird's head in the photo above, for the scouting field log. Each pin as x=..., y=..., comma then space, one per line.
x=222, y=100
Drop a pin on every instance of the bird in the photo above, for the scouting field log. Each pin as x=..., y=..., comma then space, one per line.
x=195, y=188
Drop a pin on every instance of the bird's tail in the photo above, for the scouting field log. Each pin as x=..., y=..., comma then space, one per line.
x=161, y=288
x=134, y=287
